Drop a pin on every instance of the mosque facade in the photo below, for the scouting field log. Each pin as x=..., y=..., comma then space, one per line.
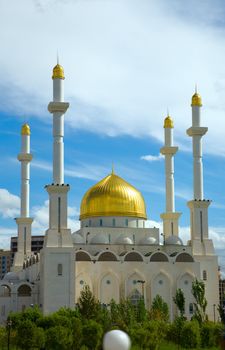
x=112, y=252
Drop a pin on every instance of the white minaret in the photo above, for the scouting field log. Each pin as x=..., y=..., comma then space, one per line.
x=58, y=233
x=24, y=221
x=170, y=217
x=198, y=206
x=57, y=256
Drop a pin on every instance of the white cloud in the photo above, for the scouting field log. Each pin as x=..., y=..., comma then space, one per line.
x=9, y=204
x=151, y=158
x=120, y=75
x=83, y=170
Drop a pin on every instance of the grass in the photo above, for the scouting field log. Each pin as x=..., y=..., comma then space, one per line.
x=172, y=346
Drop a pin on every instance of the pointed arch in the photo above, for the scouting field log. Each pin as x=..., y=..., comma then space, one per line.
x=184, y=282
x=162, y=285
x=133, y=282
x=109, y=287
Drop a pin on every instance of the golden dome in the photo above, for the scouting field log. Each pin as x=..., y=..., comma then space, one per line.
x=168, y=122
x=58, y=72
x=25, y=130
x=112, y=196
x=196, y=100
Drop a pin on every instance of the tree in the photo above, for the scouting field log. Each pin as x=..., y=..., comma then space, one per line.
x=190, y=335
x=88, y=305
x=198, y=291
x=159, y=309
x=59, y=338
x=179, y=300
x=92, y=335
x=25, y=337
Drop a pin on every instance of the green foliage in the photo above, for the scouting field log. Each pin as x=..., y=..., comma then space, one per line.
x=159, y=310
x=149, y=336
x=3, y=336
x=26, y=334
x=77, y=333
x=179, y=300
x=88, y=305
x=210, y=334
x=92, y=335
x=175, y=330
x=59, y=338
x=190, y=335
x=33, y=314
x=141, y=312
x=198, y=291
x=221, y=313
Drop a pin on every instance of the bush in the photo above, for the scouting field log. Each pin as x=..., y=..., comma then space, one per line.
x=175, y=329
x=190, y=335
x=211, y=334
x=58, y=338
x=92, y=335
x=150, y=335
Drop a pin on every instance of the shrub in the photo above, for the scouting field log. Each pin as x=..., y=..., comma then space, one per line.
x=92, y=334
x=175, y=330
x=190, y=335
x=58, y=338
x=150, y=335
x=210, y=334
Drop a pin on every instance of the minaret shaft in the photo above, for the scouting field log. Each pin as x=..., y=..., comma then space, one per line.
x=58, y=234
x=24, y=221
x=170, y=217
x=58, y=133
x=198, y=206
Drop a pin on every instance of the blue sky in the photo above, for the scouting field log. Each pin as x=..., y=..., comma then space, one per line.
x=126, y=62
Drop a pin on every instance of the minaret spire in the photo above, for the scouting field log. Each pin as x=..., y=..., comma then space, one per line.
x=24, y=221
x=170, y=217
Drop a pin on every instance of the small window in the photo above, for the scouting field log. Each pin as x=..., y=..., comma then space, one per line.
x=191, y=308
x=100, y=222
x=126, y=222
x=60, y=269
x=136, y=223
x=89, y=223
x=204, y=275
x=114, y=222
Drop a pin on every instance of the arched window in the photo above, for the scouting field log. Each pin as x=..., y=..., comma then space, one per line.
x=184, y=257
x=114, y=222
x=100, y=222
x=135, y=297
x=191, y=308
x=5, y=291
x=82, y=256
x=204, y=275
x=24, y=291
x=159, y=257
x=133, y=256
x=107, y=256
x=126, y=222
x=89, y=222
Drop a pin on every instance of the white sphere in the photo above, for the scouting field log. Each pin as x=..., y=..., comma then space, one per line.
x=116, y=339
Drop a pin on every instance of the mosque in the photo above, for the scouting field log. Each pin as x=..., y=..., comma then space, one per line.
x=112, y=252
